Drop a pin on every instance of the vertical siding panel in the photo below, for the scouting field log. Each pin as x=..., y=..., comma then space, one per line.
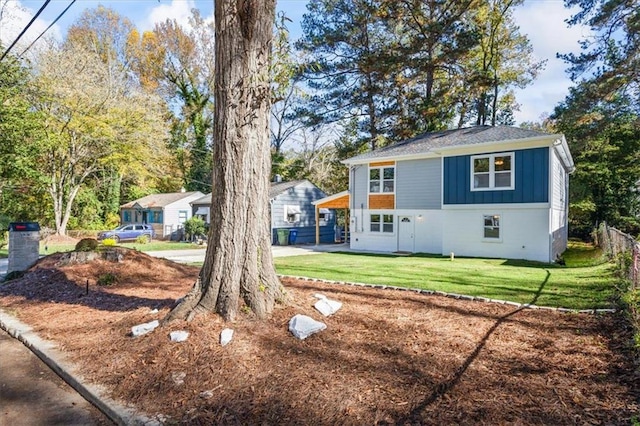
x=531, y=180
x=445, y=179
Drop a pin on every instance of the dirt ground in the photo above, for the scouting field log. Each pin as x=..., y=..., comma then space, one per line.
x=387, y=357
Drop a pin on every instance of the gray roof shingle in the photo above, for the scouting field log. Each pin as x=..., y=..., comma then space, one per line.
x=278, y=188
x=449, y=138
x=275, y=189
x=158, y=200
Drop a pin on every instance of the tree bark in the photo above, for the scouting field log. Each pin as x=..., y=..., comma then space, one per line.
x=238, y=263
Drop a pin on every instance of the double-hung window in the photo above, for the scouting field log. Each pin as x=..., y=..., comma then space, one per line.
x=381, y=223
x=492, y=227
x=382, y=179
x=182, y=216
x=492, y=172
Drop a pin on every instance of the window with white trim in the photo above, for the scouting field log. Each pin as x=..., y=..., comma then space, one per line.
x=292, y=214
x=493, y=171
x=323, y=215
x=381, y=223
x=382, y=179
x=182, y=216
x=492, y=227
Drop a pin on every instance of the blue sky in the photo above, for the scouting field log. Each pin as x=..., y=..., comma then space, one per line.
x=543, y=21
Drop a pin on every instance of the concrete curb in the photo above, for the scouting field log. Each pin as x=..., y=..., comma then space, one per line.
x=46, y=351
x=457, y=296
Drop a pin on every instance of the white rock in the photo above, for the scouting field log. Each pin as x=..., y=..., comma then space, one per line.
x=139, y=330
x=225, y=336
x=303, y=326
x=153, y=311
x=179, y=335
x=319, y=296
x=206, y=394
x=327, y=306
x=178, y=378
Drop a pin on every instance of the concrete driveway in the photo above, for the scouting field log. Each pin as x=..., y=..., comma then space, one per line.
x=197, y=255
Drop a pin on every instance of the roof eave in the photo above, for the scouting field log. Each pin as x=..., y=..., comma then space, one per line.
x=418, y=156
x=562, y=148
x=521, y=143
x=330, y=197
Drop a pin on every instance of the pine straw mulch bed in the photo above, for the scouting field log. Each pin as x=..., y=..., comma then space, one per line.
x=387, y=357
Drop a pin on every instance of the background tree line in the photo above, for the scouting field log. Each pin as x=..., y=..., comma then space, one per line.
x=111, y=113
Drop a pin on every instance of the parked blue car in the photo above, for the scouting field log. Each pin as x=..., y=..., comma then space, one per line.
x=129, y=232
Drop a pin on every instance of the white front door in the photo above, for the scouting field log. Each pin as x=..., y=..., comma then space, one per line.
x=405, y=234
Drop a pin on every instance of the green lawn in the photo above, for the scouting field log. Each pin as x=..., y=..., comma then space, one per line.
x=578, y=287
x=152, y=246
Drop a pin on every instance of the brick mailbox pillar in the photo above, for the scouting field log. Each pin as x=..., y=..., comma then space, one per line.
x=24, y=245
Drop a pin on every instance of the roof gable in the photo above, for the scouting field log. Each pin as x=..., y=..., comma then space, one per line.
x=275, y=189
x=278, y=188
x=159, y=200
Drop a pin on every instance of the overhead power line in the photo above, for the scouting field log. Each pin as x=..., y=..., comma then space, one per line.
x=49, y=27
x=6, y=52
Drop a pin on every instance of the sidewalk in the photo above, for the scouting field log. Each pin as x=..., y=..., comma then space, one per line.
x=32, y=394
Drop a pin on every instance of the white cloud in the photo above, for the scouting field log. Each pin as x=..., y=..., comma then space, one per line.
x=179, y=10
x=544, y=23
x=14, y=17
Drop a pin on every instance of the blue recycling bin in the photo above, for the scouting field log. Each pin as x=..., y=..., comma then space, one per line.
x=293, y=233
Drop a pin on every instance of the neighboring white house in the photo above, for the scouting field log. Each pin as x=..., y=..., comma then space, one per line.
x=165, y=212
x=499, y=192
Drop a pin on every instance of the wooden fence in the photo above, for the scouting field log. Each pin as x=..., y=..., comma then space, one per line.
x=617, y=245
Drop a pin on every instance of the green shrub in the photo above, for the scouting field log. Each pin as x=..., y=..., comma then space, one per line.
x=87, y=244
x=142, y=239
x=112, y=220
x=107, y=279
x=4, y=238
x=109, y=242
x=194, y=227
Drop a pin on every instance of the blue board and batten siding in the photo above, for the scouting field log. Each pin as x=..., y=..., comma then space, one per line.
x=531, y=180
x=302, y=196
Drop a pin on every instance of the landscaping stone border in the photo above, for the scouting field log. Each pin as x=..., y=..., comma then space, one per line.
x=456, y=296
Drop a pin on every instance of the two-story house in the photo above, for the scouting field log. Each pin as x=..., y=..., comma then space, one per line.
x=499, y=192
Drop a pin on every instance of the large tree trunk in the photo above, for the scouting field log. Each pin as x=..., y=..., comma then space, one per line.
x=238, y=264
